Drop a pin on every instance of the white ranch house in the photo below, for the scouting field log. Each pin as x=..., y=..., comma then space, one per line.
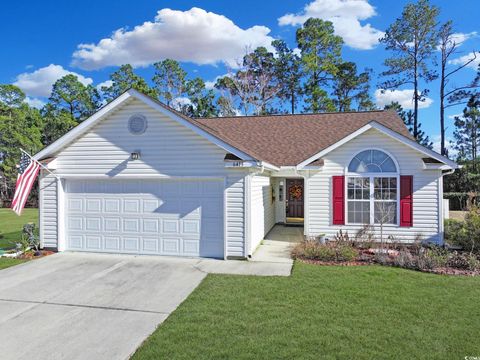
x=139, y=178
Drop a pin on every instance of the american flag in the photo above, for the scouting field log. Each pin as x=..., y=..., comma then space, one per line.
x=27, y=173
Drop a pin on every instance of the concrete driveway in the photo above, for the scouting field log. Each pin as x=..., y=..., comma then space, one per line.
x=89, y=306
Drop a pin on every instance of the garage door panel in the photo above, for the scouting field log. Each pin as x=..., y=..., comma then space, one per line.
x=112, y=205
x=75, y=241
x=131, y=225
x=93, y=224
x=112, y=224
x=150, y=245
x=112, y=243
x=131, y=243
x=171, y=246
x=183, y=218
x=93, y=205
x=191, y=226
x=75, y=205
x=93, y=242
x=150, y=226
x=150, y=206
x=170, y=226
x=131, y=206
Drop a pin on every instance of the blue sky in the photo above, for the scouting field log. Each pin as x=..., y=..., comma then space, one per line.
x=42, y=39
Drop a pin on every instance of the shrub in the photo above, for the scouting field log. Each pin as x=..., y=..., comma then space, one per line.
x=432, y=258
x=465, y=234
x=346, y=253
x=472, y=228
x=405, y=260
x=463, y=261
x=455, y=232
x=313, y=250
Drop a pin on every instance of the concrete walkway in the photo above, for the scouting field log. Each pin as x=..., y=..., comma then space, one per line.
x=100, y=306
x=277, y=245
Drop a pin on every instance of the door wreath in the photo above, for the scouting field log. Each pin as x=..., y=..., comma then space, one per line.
x=295, y=192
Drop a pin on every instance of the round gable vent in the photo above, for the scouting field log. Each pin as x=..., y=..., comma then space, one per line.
x=137, y=124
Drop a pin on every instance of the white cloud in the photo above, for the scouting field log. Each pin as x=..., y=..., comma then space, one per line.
x=180, y=101
x=106, y=83
x=345, y=16
x=436, y=140
x=194, y=36
x=463, y=59
x=403, y=97
x=453, y=116
x=34, y=102
x=460, y=38
x=39, y=82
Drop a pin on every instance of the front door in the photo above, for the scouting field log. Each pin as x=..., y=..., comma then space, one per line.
x=294, y=197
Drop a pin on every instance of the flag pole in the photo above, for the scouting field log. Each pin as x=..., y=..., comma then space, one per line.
x=40, y=164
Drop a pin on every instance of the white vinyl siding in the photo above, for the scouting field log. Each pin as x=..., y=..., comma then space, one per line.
x=425, y=187
x=48, y=210
x=235, y=215
x=262, y=209
x=167, y=150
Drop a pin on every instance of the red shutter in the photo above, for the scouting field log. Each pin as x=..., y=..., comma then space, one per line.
x=338, y=191
x=406, y=200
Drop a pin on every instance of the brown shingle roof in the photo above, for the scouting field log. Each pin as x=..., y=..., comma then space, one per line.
x=287, y=140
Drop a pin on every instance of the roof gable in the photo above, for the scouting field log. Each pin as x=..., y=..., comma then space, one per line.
x=123, y=99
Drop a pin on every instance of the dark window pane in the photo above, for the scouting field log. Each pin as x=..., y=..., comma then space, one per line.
x=350, y=194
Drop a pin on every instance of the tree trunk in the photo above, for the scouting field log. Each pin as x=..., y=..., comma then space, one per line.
x=293, y=102
x=415, y=101
x=442, y=111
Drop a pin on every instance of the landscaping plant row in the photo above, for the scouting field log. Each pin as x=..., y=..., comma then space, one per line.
x=460, y=255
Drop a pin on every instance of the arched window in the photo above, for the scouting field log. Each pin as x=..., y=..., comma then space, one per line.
x=372, y=197
x=371, y=161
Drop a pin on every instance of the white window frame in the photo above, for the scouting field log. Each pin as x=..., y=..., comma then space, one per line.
x=372, y=176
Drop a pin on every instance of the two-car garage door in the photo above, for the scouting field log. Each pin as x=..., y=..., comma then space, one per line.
x=164, y=217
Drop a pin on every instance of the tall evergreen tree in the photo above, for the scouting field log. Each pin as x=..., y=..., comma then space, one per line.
x=351, y=91
x=124, y=79
x=70, y=95
x=170, y=80
x=412, y=38
x=288, y=74
x=320, y=55
x=407, y=117
x=20, y=127
x=201, y=100
x=452, y=94
x=467, y=133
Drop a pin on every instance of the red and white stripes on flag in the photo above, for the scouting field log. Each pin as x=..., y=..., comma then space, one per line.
x=27, y=173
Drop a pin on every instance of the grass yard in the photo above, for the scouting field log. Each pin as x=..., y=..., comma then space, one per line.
x=368, y=312
x=11, y=225
x=6, y=262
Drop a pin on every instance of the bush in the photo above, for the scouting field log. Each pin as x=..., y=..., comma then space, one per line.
x=313, y=250
x=455, y=233
x=465, y=234
x=463, y=261
x=405, y=260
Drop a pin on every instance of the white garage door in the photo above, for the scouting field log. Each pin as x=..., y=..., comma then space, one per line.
x=164, y=217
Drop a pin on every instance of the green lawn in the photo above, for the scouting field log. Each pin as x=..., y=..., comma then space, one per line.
x=368, y=312
x=6, y=262
x=11, y=225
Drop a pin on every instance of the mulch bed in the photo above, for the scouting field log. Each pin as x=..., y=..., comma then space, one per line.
x=30, y=255
x=438, y=271
x=335, y=263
